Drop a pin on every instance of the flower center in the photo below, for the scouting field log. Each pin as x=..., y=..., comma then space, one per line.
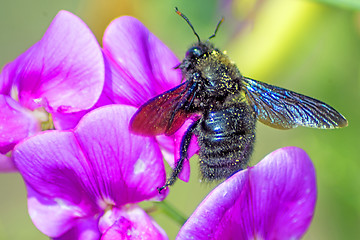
x=44, y=118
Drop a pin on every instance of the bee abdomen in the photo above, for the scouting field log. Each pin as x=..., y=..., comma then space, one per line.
x=226, y=139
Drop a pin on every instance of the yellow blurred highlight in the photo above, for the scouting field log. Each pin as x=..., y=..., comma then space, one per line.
x=274, y=32
x=98, y=14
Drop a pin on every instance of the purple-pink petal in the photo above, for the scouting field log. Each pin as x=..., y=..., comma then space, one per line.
x=135, y=160
x=67, y=121
x=273, y=200
x=140, y=65
x=83, y=171
x=6, y=80
x=85, y=229
x=16, y=123
x=56, y=217
x=64, y=71
x=6, y=164
x=53, y=164
x=130, y=222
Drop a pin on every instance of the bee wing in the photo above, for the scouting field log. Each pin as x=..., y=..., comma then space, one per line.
x=161, y=114
x=282, y=108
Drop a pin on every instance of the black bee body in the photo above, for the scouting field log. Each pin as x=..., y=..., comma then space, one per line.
x=225, y=106
x=225, y=131
x=226, y=137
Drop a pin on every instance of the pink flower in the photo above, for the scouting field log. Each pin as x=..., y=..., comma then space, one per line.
x=62, y=73
x=274, y=199
x=138, y=67
x=85, y=183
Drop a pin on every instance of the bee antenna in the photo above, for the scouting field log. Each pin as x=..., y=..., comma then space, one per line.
x=216, y=29
x=188, y=21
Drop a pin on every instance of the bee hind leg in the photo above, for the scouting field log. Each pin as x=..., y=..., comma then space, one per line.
x=185, y=143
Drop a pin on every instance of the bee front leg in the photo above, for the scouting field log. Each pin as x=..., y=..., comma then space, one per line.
x=185, y=143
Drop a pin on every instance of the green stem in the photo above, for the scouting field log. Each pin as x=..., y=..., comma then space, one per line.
x=171, y=212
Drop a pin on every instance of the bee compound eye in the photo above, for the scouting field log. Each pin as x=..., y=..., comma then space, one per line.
x=194, y=52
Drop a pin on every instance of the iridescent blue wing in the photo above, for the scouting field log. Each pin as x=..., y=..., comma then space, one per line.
x=281, y=108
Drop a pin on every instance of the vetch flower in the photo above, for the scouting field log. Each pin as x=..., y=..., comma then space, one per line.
x=62, y=73
x=274, y=199
x=139, y=67
x=85, y=183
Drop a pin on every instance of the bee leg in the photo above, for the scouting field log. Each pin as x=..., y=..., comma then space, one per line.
x=185, y=142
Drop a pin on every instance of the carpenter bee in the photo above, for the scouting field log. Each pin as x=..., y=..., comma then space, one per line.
x=226, y=106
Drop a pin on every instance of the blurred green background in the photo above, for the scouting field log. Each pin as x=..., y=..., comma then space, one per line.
x=312, y=47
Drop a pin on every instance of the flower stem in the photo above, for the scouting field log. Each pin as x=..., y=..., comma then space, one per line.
x=171, y=212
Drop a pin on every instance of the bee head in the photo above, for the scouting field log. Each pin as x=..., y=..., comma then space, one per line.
x=192, y=56
x=198, y=50
x=194, y=52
